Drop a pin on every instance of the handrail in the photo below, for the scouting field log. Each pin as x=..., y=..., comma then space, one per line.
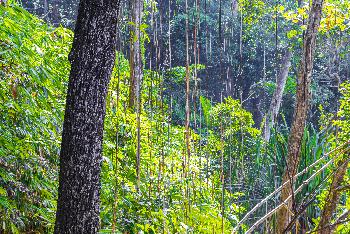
x=305, y=182
x=284, y=184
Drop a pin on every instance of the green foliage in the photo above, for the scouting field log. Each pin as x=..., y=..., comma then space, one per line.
x=233, y=118
x=32, y=94
x=166, y=200
x=178, y=74
x=35, y=71
x=335, y=139
x=206, y=107
x=344, y=113
x=290, y=87
x=175, y=196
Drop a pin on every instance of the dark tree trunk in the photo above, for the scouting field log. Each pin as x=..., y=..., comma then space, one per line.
x=92, y=59
x=303, y=98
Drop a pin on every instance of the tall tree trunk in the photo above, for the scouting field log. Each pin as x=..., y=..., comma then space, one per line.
x=169, y=33
x=136, y=74
x=333, y=197
x=303, y=97
x=187, y=123
x=46, y=10
x=92, y=59
x=135, y=52
x=55, y=12
x=187, y=156
x=278, y=94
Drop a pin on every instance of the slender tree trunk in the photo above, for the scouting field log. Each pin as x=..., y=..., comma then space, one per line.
x=333, y=198
x=116, y=172
x=136, y=74
x=222, y=174
x=135, y=52
x=239, y=82
x=187, y=124
x=234, y=7
x=187, y=157
x=46, y=10
x=55, y=13
x=169, y=33
x=278, y=94
x=92, y=59
x=303, y=98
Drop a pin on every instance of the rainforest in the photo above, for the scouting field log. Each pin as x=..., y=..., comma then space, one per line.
x=174, y=116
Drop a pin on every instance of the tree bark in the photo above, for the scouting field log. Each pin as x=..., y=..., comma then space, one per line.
x=136, y=74
x=135, y=52
x=278, y=95
x=46, y=10
x=303, y=98
x=187, y=123
x=55, y=12
x=92, y=58
x=333, y=198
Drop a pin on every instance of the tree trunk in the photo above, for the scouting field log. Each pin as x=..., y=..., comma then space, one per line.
x=135, y=52
x=333, y=198
x=55, y=12
x=46, y=10
x=92, y=59
x=278, y=95
x=136, y=74
x=303, y=97
x=187, y=123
